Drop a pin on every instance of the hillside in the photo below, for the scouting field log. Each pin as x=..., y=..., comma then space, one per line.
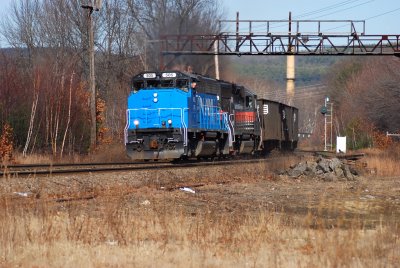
x=309, y=70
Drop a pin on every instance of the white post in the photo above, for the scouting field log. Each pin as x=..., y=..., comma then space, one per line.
x=290, y=67
x=216, y=60
x=325, y=126
x=331, y=126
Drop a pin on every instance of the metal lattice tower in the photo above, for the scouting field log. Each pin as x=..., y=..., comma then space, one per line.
x=328, y=116
x=300, y=37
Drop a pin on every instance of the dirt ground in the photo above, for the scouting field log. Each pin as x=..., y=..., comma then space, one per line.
x=243, y=215
x=221, y=190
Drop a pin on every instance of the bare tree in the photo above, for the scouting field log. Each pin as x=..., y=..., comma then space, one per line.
x=35, y=99
x=51, y=37
x=20, y=27
x=367, y=94
x=162, y=17
x=69, y=114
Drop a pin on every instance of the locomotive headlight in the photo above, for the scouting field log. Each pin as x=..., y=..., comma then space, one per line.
x=155, y=94
x=155, y=100
x=169, y=122
x=136, y=122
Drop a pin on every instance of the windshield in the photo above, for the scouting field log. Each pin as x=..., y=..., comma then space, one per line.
x=182, y=84
x=137, y=85
x=167, y=83
x=153, y=83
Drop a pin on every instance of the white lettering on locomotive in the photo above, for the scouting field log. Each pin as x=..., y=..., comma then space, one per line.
x=265, y=109
x=209, y=102
x=168, y=75
x=149, y=75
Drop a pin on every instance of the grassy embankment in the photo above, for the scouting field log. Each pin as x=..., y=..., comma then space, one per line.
x=117, y=232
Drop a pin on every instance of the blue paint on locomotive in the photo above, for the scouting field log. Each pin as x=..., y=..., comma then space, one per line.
x=206, y=113
x=152, y=108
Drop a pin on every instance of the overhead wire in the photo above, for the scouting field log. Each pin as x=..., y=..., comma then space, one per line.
x=369, y=18
x=334, y=6
x=326, y=8
x=379, y=15
x=334, y=12
x=321, y=10
x=344, y=9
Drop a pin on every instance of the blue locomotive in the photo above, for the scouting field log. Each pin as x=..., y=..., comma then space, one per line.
x=173, y=115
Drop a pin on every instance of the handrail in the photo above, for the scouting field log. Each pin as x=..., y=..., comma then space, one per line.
x=185, y=136
x=210, y=116
x=231, y=135
x=127, y=126
x=233, y=125
x=158, y=110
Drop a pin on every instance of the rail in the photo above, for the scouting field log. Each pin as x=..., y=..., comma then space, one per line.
x=54, y=169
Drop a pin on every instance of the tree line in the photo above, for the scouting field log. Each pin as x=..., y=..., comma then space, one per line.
x=366, y=96
x=44, y=72
x=365, y=92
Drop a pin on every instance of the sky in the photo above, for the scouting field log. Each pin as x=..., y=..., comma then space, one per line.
x=382, y=16
x=373, y=11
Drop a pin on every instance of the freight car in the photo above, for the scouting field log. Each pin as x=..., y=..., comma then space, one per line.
x=279, y=125
x=173, y=115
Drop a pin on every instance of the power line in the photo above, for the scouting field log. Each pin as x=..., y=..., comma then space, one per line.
x=379, y=15
x=309, y=13
x=334, y=6
x=322, y=10
x=326, y=8
x=373, y=17
x=345, y=9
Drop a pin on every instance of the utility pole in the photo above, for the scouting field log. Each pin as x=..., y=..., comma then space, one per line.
x=90, y=6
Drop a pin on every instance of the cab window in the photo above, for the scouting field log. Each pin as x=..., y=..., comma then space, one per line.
x=153, y=83
x=167, y=83
x=249, y=102
x=137, y=85
x=182, y=84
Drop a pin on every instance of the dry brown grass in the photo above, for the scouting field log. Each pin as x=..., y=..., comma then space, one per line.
x=32, y=159
x=35, y=234
x=384, y=162
x=104, y=153
x=134, y=224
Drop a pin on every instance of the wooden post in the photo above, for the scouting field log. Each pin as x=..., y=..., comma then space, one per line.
x=91, y=6
x=92, y=82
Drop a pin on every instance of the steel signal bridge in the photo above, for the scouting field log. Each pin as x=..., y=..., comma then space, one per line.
x=304, y=37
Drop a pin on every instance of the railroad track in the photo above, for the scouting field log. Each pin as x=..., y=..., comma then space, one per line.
x=48, y=169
